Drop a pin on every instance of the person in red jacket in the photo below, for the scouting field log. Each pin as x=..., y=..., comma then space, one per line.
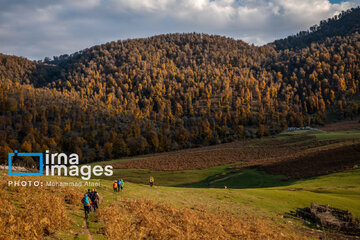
x=115, y=186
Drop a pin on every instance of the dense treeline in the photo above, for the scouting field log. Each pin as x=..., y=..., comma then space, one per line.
x=173, y=91
x=345, y=23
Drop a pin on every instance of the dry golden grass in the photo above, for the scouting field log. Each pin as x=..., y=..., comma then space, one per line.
x=317, y=162
x=33, y=212
x=249, y=152
x=144, y=219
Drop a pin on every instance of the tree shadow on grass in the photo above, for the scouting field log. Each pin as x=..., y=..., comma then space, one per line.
x=241, y=179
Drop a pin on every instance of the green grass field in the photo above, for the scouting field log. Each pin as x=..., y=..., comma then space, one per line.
x=340, y=190
x=251, y=192
x=241, y=178
x=250, y=183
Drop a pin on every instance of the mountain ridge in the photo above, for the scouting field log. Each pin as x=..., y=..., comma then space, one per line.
x=340, y=25
x=174, y=91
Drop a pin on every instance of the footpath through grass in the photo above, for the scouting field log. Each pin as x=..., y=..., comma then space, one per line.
x=250, y=192
x=341, y=190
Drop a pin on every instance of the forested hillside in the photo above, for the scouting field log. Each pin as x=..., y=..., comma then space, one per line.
x=345, y=23
x=174, y=91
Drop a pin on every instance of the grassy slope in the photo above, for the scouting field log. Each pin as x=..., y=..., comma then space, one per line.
x=255, y=194
x=203, y=177
x=340, y=190
x=251, y=192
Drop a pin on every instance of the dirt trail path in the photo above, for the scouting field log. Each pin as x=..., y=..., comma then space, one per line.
x=225, y=178
x=86, y=230
x=83, y=231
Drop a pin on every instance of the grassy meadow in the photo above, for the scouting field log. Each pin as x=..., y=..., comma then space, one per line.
x=182, y=203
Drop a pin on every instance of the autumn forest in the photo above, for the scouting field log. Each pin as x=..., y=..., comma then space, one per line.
x=175, y=91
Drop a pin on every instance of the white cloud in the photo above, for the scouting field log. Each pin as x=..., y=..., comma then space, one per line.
x=83, y=4
x=42, y=28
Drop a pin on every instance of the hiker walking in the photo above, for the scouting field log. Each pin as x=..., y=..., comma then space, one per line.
x=89, y=194
x=118, y=185
x=95, y=200
x=86, y=201
x=151, y=181
x=115, y=186
x=121, y=184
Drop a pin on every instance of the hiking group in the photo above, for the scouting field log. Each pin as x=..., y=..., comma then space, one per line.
x=118, y=185
x=90, y=201
x=91, y=198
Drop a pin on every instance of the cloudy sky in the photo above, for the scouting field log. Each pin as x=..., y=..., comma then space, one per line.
x=40, y=28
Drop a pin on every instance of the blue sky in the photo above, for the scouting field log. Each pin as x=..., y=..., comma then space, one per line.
x=40, y=28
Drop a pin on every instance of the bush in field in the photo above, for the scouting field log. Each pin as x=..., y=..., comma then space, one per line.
x=144, y=219
x=33, y=212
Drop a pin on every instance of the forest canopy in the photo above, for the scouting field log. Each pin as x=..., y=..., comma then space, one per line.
x=176, y=91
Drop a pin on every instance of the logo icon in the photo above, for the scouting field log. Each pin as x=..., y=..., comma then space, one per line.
x=17, y=154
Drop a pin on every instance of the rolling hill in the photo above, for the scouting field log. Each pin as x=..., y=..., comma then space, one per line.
x=219, y=124
x=176, y=91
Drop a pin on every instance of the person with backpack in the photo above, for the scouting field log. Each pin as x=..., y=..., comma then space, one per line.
x=121, y=184
x=92, y=199
x=115, y=186
x=86, y=201
x=89, y=193
x=151, y=181
x=95, y=199
x=118, y=184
